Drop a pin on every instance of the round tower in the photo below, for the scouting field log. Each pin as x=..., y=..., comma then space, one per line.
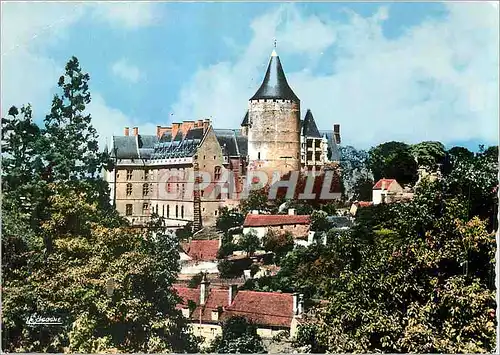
x=274, y=124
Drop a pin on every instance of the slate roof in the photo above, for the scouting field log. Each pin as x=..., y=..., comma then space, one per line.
x=179, y=147
x=125, y=147
x=275, y=85
x=233, y=144
x=265, y=220
x=335, y=153
x=202, y=250
x=309, y=128
x=245, y=120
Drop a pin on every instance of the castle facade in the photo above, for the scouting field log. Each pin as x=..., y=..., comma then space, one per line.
x=272, y=139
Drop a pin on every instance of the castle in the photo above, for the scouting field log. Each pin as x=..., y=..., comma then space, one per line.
x=272, y=138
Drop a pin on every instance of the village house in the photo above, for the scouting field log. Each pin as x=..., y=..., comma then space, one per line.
x=261, y=224
x=199, y=256
x=206, y=307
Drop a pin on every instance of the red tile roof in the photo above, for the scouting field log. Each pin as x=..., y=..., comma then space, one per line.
x=202, y=250
x=263, y=308
x=388, y=182
x=257, y=220
x=364, y=203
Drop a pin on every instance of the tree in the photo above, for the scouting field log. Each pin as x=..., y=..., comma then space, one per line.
x=88, y=254
x=238, y=336
x=256, y=200
x=319, y=222
x=393, y=160
x=278, y=243
x=195, y=281
x=428, y=154
x=355, y=169
x=433, y=289
x=228, y=219
x=249, y=243
x=70, y=139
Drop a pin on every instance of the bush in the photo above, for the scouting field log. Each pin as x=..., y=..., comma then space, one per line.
x=226, y=249
x=195, y=280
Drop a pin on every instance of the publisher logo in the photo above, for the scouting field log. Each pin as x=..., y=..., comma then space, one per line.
x=43, y=320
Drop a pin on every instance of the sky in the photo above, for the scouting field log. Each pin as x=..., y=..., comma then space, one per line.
x=408, y=72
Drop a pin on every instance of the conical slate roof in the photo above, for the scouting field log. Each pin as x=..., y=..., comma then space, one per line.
x=309, y=128
x=275, y=85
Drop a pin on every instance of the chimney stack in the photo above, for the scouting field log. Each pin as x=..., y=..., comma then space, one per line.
x=300, y=305
x=199, y=123
x=126, y=131
x=336, y=133
x=295, y=303
x=158, y=131
x=136, y=131
x=206, y=123
x=255, y=211
x=203, y=290
x=233, y=289
x=175, y=129
x=291, y=211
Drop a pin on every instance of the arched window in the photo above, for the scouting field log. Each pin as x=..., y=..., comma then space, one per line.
x=129, y=189
x=217, y=172
x=182, y=211
x=258, y=155
x=176, y=211
x=145, y=189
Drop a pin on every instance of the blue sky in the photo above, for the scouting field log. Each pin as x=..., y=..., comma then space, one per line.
x=384, y=71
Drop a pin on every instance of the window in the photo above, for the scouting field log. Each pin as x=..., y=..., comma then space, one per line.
x=146, y=174
x=168, y=211
x=217, y=172
x=129, y=174
x=204, y=156
x=169, y=188
x=128, y=210
x=129, y=189
x=182, y=211
x=156, y=209
x=214, y=157
x=145, y=189
x=176, y=211
x=258, y=155
x=145, y=208
x=216, y=212
x=202, y=193
x=163, y=211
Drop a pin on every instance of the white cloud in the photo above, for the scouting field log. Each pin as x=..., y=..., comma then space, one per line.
x=438, y=80
x=126, y=71
x=29, y=74
x=130, y=15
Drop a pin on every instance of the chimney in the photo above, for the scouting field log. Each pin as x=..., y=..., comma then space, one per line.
x=206, y=123
x=175, y=129
x=383, y=184
x=247, y=274
x=336, y=133
x=126, y=131
x=291, y=211
x=233, y=289
x=199, y=123
x=158, y=131
x=295, y=303
x=300, y=305
x=255, y=211
x=136, y=131
x=204, y=290
x=186, y=126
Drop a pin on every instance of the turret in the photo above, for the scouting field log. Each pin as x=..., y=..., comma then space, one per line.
x=274, y=124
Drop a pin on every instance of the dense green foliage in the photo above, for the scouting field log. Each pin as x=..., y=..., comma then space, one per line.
x=66, y=252
x=393, y=160
x=278, y=243
x=238, y=336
